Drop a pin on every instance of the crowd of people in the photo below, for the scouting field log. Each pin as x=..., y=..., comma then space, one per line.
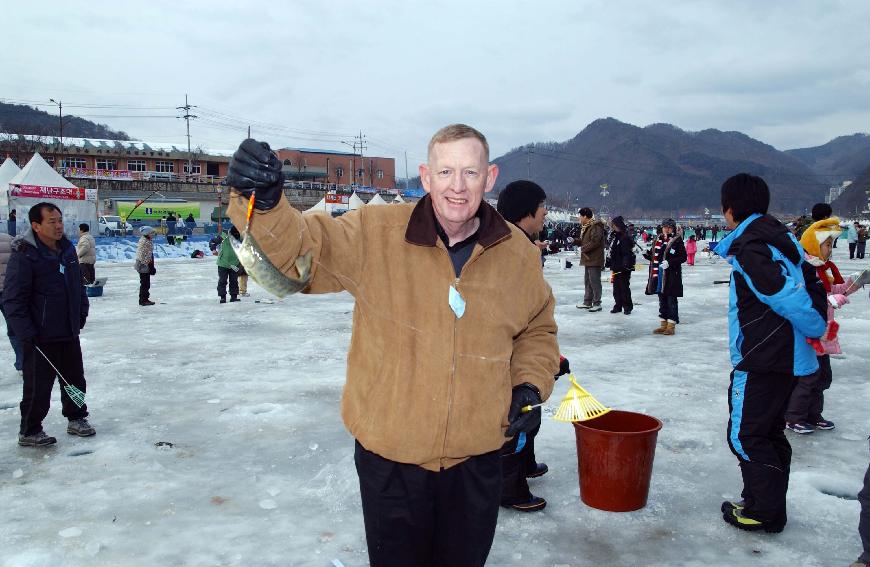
x=444, y=424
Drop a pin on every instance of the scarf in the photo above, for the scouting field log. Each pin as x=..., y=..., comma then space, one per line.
x=822, y=269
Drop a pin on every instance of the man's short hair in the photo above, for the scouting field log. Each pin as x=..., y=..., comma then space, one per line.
x=84, y=227
x=745, y=195
x=585, y=212
x=821, y=211
x=457, y=132
x=35, y=212
x=519, y=200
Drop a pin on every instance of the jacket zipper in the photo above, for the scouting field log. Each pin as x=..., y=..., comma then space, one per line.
x=452, y=377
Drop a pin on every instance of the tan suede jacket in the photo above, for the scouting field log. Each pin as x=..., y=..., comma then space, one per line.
x=424, y=387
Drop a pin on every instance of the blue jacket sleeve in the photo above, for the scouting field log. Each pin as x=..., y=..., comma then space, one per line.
x=774, y=286
x=16, y=296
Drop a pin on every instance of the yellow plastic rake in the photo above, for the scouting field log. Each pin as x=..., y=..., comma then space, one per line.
x=579, y=405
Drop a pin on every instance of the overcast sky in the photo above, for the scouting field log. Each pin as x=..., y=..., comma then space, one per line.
x=312, y=73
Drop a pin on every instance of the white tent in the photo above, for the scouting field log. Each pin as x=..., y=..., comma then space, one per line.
x=319, y=207
x=377, y=200
x=354, y=202
x=398, y=199
x=38, y=182
x=7, y=172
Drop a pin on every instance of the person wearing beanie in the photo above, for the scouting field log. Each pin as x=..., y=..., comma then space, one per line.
x=622, y=260
x=522, y=203
x=145, y=264
x=666, y=257
x=804, y=412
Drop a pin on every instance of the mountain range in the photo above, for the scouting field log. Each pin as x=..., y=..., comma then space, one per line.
x=663, y=170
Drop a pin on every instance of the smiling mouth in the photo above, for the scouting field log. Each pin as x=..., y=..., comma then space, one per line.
x=456, y=201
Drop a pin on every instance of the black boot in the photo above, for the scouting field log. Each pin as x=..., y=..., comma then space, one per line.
x=223, y=299
x=234, y=298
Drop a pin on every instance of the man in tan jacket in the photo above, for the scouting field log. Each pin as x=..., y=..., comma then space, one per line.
x=453, y=334
x=86, y=249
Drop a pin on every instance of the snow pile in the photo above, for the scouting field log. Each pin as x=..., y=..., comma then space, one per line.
x=123, y=249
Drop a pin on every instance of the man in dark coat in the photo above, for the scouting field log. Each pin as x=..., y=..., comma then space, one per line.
x=46, y=304
x=622, y=261
x=666, y=257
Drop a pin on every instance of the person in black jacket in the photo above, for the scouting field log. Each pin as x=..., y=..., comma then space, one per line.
x=776, y=302
x=666, y=257
x=522, y=203
x=46, y=304
x=622, y=261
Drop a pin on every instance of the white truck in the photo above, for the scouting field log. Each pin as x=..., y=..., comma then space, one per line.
x=110, y=225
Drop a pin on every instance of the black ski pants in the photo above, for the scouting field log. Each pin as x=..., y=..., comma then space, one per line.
x=852, y=246
x=757, y=403
x=808, y=398
x=39, y=381
x=88, y=273
x=420, y=518
x=144, y=287
x=233, y=276
x=669, y=308
x=864, y=522
x=518, y=460
x=622, y=290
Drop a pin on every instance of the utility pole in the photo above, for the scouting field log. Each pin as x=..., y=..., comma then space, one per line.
x=407, y=181
x=529, y=164
x=187, y=116
x=60, y=125
x=360, y=140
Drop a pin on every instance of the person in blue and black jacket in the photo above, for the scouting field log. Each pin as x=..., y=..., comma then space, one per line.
x=777, y=302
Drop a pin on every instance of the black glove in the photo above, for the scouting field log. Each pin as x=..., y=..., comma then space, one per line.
x=255, y=167
x=523, y=395
x=564, y=366
x=152, y=270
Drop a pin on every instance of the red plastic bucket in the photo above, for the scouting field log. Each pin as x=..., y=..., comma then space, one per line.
x=615, y=459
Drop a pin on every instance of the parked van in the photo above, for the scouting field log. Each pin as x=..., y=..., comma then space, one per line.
x=110, y=225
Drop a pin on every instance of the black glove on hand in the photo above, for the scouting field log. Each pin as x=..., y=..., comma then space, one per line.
x=255, y=167
x=564, y=366
x=523, y=395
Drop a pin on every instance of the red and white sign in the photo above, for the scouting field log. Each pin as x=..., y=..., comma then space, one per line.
x=42, y=192
x=336, y=199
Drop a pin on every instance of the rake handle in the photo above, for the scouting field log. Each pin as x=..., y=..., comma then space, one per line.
x=527, y=409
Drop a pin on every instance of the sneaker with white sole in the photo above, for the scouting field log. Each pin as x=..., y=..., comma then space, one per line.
x=80, y=428
x=824, y=424
x=583, y=306
x=595, y=308
x=800, y=427
x=38, y=439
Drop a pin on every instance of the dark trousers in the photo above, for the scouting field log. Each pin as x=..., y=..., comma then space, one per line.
x=39, y=381
x=859, y=250
x=415, y=517
x=515, y=465
x=88, y=273
x=223, y=274
x=808, y=398
x=669, y=308
x=756, y=436
x=13, y=340
x=622, y=290
x=864, y=522
x=852, y=246
x=144, y=287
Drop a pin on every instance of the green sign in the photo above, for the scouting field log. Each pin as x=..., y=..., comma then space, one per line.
x=156, y=211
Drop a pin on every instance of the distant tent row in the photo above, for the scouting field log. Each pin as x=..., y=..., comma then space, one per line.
x=353, y=203
x=559, y=216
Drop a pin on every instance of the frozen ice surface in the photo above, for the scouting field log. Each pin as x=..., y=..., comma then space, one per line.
x=171, y=479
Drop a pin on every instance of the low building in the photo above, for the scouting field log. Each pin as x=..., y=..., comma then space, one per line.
x=338, y=168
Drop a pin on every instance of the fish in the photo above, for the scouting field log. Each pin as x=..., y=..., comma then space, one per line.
x=261, y=269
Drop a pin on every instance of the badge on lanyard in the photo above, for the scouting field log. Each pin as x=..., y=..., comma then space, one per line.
x=457, y=304
x=62, y=268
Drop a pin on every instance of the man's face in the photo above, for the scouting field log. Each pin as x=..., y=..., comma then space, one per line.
x=456, y=178
x=539, y=218
x=50, y=229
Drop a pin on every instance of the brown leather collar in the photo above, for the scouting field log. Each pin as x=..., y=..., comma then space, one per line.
x=422, y=229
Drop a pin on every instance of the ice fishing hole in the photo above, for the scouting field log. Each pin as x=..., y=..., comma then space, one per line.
x=80, y=453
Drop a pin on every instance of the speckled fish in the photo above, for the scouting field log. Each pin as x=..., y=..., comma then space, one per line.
x=270, y=278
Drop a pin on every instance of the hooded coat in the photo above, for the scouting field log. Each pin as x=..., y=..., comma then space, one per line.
x=776, y=299
x=44, y=298
x=622, y=257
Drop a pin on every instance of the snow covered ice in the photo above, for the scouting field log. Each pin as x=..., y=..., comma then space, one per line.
x=219, y=440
